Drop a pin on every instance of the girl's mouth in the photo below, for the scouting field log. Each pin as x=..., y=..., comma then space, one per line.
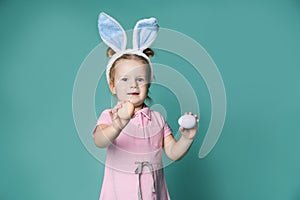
x=133, y=93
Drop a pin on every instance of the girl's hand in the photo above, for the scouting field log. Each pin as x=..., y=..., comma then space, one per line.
x=117, y=122
x=190, y=133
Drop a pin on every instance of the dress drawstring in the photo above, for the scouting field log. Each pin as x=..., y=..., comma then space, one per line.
x=139, y=171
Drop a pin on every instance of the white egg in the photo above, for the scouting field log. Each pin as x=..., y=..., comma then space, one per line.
x=187, y=121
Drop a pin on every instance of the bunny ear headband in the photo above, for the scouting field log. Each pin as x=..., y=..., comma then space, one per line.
x=112, y=33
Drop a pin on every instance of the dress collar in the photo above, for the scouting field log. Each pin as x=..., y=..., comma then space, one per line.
x=145, y=111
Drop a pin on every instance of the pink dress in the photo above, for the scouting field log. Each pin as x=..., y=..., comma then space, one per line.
x=133, y=169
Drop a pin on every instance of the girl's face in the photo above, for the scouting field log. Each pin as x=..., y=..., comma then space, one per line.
x=131, y=81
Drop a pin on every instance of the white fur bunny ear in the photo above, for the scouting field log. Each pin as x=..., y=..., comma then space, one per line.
x=144, y=33
x=111, y=32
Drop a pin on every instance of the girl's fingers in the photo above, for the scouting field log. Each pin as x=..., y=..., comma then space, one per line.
x=120, y=103
x=116, y=108
x=189, y=113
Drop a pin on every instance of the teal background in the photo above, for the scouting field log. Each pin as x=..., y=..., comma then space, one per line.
x=255, y=45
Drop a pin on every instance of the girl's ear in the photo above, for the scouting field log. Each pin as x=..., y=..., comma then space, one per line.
x=112, y=87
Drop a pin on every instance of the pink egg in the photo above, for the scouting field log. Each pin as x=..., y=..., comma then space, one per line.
x=126, y=111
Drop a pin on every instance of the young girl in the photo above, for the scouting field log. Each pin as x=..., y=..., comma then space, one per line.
x=133, y=134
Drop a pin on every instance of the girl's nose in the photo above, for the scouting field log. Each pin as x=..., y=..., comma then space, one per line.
x=133, y=84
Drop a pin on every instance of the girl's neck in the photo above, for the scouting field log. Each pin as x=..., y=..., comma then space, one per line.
x=139, y=107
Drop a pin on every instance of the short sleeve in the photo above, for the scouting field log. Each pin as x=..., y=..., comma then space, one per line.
x=167, y=130
x=103, y=119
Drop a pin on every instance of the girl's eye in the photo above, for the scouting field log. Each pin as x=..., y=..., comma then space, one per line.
x=140, y=80
x=124, y=79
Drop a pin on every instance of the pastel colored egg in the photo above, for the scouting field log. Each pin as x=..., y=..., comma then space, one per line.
x=187, y=121
x=126, y=111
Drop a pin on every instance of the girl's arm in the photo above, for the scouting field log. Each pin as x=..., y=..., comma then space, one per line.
x=177, y=149
x=105, y=134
